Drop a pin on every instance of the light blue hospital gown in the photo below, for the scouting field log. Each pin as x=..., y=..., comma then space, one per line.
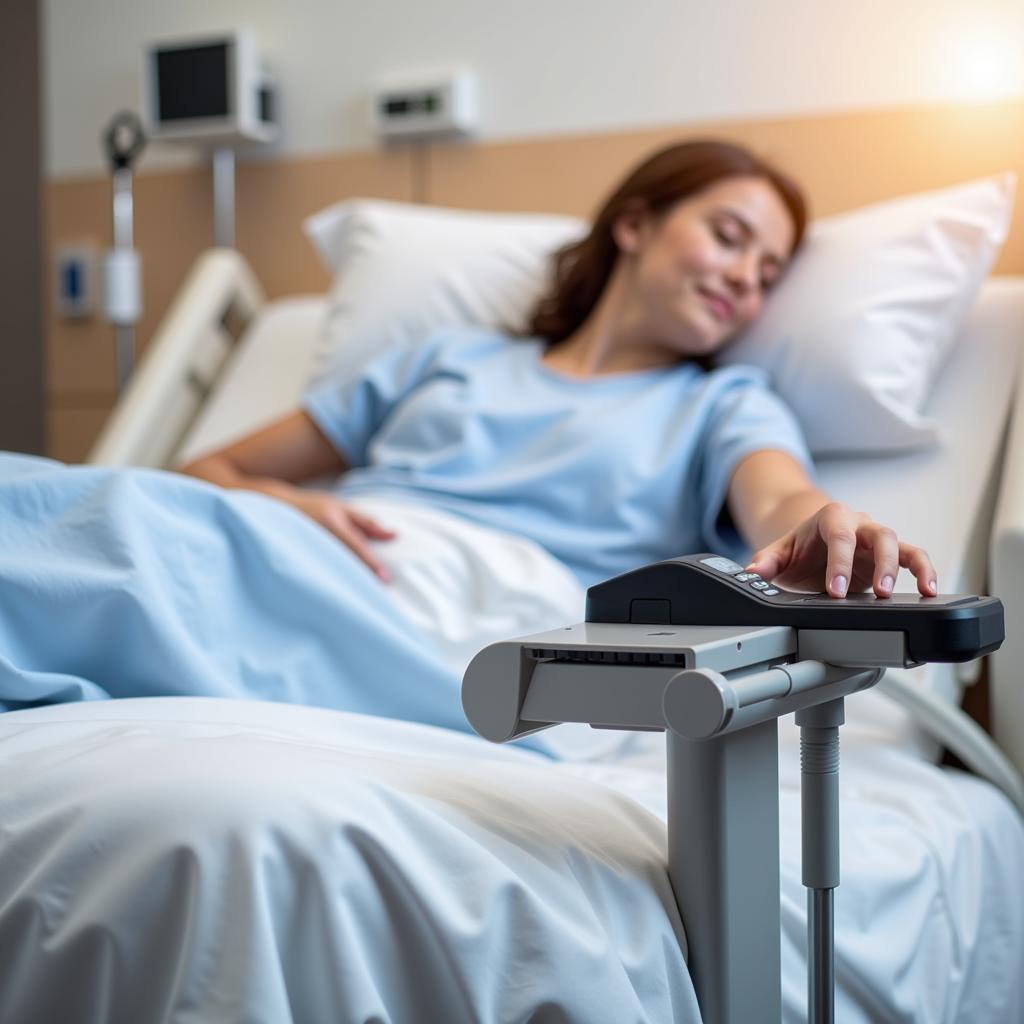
x=126, y=583
x=606, y=473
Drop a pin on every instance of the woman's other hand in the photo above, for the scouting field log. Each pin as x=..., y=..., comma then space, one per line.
x=353, y=528
x=846, y=551
x=274, y=459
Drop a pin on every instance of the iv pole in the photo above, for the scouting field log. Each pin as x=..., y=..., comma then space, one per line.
x=123, y=140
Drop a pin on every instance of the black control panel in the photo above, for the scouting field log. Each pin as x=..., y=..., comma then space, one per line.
x=710, y=590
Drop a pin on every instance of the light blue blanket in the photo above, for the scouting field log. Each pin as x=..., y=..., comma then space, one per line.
x=133, y=583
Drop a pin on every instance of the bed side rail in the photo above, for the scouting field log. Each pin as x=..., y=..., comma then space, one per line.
x=1006, y=573
x=187, y=353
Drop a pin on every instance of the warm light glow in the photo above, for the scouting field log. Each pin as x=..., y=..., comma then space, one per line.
x=984, y=63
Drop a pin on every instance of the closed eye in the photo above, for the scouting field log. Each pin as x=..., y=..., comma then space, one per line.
x=726, y=239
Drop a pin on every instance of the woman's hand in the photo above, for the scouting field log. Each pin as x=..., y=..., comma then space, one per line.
x=353, y=528
x=274, y=459
x=846, y=551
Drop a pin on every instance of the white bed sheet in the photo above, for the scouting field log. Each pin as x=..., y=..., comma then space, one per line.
x=192, y=859
x=201, y=860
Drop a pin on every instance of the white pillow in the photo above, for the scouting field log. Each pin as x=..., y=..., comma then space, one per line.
x=404, y=270
x=852, y=337
x=859, y=327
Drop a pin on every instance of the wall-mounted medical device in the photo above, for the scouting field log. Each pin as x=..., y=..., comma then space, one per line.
x=212, y=89
x=428, y=105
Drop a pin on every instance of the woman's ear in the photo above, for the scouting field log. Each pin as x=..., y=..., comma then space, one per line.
x=628, y=229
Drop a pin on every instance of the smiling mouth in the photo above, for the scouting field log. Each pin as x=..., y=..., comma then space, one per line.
x=721, y=308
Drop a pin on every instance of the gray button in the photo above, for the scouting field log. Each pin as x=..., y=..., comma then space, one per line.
x=744, y=576
x=770, y=592
x=760, y=584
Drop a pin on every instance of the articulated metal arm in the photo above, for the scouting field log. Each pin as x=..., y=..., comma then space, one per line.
x=717, y=692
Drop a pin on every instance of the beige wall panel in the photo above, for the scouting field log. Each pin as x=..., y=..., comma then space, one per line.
x=71, y=429
x=843, y=160
x=274, y=198
x=79, y=353
x=173, y=224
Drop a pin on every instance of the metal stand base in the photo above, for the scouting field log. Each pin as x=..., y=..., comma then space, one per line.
x=723, y=847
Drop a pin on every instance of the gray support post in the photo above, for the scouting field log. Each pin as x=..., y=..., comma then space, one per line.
x=819, y=828
x=224, y=196
x=723, y=850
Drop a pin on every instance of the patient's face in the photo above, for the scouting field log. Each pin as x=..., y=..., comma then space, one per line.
x=702, y=270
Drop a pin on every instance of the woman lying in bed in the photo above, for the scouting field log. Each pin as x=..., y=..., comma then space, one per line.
x=600, y=437
x=514, y=471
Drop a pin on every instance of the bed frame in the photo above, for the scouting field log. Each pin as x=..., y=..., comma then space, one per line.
x=182, y=363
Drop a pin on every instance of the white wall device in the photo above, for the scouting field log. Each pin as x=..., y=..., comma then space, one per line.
x=208, y=89
x=429, y=105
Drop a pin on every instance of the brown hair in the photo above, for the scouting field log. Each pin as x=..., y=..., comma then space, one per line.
x=582, y=269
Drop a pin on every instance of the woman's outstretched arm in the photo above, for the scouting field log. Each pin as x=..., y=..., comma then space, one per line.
x=289, y=451
x=277, y=458
x=806, y=541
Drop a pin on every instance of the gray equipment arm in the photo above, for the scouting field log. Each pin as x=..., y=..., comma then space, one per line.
x=717, y=692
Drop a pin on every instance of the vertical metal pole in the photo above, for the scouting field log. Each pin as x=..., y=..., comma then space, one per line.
x=124, y=216
x=224, y=196
x=819, y=829
x=821, y=982
x=124, y=209
x=723, y=854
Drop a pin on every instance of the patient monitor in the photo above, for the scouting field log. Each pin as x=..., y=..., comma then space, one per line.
x=209, y=89
x=213, y=91
x=713, y=655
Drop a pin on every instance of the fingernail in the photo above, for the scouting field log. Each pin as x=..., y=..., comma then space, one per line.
x=384, y=575
x=933, y=586
x=839, y=585
x=887, y=582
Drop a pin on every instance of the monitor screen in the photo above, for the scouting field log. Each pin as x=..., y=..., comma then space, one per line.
x=192, y=82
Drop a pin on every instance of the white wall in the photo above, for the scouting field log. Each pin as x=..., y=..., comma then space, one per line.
x=545, y=66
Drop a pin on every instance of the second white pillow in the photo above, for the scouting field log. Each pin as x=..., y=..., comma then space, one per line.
x=863, y=320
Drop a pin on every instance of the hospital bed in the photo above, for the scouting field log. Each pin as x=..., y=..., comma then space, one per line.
x=221, y=860
x=199, y=387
